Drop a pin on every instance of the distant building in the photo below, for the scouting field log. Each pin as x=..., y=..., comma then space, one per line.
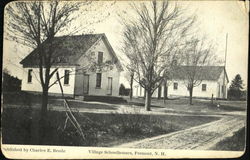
x=214, y=81
x=69, y=55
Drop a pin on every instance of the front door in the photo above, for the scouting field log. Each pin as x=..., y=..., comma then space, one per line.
x=219, y=92
x=86, y=84
x=109, y=86
x=159, y=92
x=223, y=91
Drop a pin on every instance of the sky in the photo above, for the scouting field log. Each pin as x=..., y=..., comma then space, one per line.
x=215, y=19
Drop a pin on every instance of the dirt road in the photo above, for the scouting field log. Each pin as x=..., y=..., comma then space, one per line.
x=201, y=137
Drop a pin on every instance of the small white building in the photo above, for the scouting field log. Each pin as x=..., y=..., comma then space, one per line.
x=213, y=81
x=70, y=57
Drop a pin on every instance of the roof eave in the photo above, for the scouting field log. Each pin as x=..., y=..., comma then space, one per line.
x=118, y=63
x=58, y=65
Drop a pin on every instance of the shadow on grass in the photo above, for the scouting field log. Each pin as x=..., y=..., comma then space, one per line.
x=82, y=104
x=106, y=99
x=142, y=104
x=26, y=98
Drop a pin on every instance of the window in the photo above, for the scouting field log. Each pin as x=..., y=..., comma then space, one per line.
x=66, y=77
x=204, y=87
x=29, y=75
x=175, y=86
x=98, y=80
x=100, y=57
x=223, y=89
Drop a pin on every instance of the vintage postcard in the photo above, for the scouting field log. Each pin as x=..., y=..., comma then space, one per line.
x=124, y=79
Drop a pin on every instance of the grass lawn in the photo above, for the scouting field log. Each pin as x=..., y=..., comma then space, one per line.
x=176, y=105
x=199, y=105
x=20, y=126
x=24, y=100
x=235, y=143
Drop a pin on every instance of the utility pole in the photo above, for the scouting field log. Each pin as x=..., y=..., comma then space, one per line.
x=224, y=87
x=226, y=52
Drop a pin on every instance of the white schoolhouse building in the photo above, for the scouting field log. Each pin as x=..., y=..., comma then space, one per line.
x=214, y=81
x=70, y=57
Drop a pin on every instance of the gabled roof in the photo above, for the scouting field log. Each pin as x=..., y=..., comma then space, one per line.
x=204, y=72
x=67, y=49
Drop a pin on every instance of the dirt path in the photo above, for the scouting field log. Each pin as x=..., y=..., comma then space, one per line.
x=201, y=137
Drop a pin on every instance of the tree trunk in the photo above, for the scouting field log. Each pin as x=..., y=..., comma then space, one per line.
x=144, y=96
x=165, y=92
x=159, y=92
x=43, y=116
x=131, y=87
x=148, y=100
x=191, y=96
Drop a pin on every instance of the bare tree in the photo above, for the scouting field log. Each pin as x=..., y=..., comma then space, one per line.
x=129, y=73
x=131, y=85
x=131, y=81
x=35, y=24
x=166, y=83
x=153, y=36
x=198, y=54
x=130, y=78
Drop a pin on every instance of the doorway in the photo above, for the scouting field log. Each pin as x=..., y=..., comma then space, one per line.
x=86, y=84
